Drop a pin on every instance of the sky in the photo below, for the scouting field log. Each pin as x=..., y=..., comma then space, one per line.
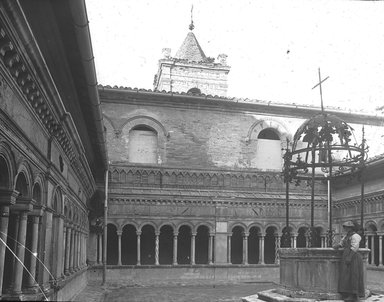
x=274, y=47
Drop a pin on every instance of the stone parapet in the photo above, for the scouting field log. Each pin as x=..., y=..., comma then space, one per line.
x=312, y=272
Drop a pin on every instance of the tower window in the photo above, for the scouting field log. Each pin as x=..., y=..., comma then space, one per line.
x=194, y=90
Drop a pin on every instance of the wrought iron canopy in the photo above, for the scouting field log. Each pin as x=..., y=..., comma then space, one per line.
x=324, y=144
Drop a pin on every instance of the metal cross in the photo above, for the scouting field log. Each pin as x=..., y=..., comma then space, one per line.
x=191, y=26
x=321, y=92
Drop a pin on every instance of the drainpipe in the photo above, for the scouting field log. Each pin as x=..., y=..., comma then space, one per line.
x=105, y=229
x=83, y=36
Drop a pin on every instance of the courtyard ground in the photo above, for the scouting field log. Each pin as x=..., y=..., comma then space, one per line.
x=184, y=292
x=176, y=292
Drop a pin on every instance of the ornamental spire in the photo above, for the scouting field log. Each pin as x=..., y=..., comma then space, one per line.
x=191, y=26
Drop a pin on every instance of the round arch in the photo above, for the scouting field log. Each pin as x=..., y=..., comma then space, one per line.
x=39, y=186
x=25, y=170
x=57, y=200
x=237, y=224
x=271, y=226
x=168, y=223
x=133, y=223
x=206, y=224
x=144, y=120
x=185, y=223
x=255, y=225
x=143, y=224
x=259, y=126
x=7, y=166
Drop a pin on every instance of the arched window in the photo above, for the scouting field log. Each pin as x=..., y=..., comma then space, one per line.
x=142, y=146
x=268, y=150
x=194, y=90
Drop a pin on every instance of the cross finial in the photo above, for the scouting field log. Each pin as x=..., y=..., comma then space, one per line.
x=321, y=92
x=191, y=26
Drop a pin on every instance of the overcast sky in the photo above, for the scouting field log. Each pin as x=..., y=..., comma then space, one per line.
x=274, y=47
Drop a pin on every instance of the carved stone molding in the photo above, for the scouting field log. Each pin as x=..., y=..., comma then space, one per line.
x=14, y=62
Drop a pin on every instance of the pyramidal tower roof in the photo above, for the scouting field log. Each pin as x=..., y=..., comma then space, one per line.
x=190, y=49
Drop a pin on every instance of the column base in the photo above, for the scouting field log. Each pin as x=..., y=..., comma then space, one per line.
x=31, y=289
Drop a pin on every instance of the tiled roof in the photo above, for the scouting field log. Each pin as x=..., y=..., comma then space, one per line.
x=190, y=50
x=247, y=100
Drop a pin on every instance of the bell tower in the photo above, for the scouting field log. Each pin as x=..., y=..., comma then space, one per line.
x=191, y=71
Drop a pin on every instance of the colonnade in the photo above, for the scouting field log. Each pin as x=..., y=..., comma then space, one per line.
x=176, y=249
x=75, y=242
x=37, y=247
x=374, y=241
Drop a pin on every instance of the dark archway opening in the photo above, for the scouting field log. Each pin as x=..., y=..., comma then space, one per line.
x=301, y=237
x=147, y=253
x=166, y=245
x=237, y=245
x=129, y=245
x=253, y=245
x=268, y=134
x=270, y=245
x=112, y=244
x=202, y=241
x=184, y=245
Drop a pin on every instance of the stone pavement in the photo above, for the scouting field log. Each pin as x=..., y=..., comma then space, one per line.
x=199, y=291
x=172, y=292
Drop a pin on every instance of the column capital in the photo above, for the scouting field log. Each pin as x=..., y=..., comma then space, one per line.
x=119, y=233
x=24, y=204
x=157, y=233
x=193, y=234
x=4, y=211
x=8, y=196
x=138, y=233
x=37, y=211
x=175, y=234
x=245, y=234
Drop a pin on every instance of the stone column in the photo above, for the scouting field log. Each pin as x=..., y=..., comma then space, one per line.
x=4, y=212
x=78, y=249
x=277, y=246
x=67, y=250
x=64, y=249
x=322, y=242
x=100, y=241
x=7, y=198
x=245, y=248
x=138, y=233
x=32, y=266
x=372, y=237
x=20, y=253
x=366, y=241
x=60, y=246
x=210, y=249
x=261, y=253
x=175, y=248
x=75, y=248
x=81, y=249
x=193, y=247
x=14, y=242
x=380, y=249
x=72, y=250
x=229, y=259
x=157, y=248
x=294, y=240
x=119, y=233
